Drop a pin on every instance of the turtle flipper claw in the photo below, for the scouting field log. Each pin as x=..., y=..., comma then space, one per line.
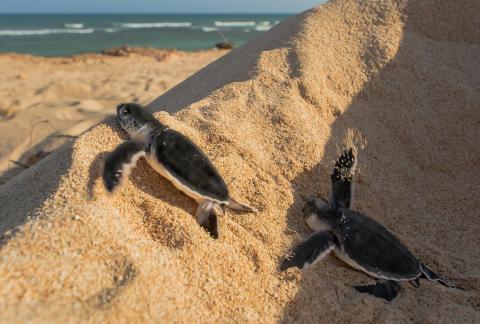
x=342, y=177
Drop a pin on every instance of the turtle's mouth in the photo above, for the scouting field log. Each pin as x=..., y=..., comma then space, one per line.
x=130, y=125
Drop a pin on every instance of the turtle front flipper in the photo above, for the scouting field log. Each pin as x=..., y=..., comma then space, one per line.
x=431, y=276
x=342, y=176
x=386, y=289
x=120, y=163
x=313, y=249
x=207, y=217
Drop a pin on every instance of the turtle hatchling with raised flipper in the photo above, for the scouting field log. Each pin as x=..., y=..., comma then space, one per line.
x=175, y=157
x=356, y=239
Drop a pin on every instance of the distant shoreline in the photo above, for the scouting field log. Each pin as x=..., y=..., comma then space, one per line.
x=67, y=35
x=122, y=51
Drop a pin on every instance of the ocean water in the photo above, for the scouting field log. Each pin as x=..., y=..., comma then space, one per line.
x=64, y=35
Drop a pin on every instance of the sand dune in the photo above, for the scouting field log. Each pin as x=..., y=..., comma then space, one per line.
x=402, y=76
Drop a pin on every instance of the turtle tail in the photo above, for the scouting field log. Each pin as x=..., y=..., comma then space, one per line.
x=432, y=276
x=235, y=205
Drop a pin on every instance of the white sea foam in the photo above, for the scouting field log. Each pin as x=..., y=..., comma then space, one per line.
x=209, y=29
x=264, y=23
x=262, y=28
x=11, y=32
x=109, y=30
x=73, y=25
x=234, y=23
x=155, y=25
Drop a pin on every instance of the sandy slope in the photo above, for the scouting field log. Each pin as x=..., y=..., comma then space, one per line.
x=46, y=101
x=403, y=76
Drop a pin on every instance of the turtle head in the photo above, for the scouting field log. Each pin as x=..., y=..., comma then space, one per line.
x=136, y=120
x=317, y=213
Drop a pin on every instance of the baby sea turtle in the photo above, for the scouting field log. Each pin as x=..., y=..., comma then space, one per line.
x=356, y=239
x=175, y=157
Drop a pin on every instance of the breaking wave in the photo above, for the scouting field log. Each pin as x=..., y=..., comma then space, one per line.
x=209, y=29
x=262, y=28
x=234, y=23
x=73, y=25
x=156, y=25
x=11, y=32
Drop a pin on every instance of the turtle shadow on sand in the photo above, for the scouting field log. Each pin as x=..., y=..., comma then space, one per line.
x=156, y=186
x=401, y=187
x=151, y=183
x=144, y=178
x=95, y=173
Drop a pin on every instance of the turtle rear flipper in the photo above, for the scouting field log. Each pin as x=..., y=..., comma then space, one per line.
x=207, y=217
x=431, y=276
x=313, y=249
x=342, y=176
x=385, y=289
x=120, y=163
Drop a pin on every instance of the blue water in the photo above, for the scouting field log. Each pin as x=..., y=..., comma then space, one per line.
x=64, y=35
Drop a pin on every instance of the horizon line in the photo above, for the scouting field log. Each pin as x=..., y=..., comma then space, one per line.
x=148, y=13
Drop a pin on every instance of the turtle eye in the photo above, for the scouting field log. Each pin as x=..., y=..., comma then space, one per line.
x=123, y=111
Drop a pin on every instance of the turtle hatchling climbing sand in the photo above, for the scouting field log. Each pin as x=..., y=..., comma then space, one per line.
x=356, y=239
x=175, y=157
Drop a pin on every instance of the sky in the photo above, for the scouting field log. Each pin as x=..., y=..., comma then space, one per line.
x=156, y=6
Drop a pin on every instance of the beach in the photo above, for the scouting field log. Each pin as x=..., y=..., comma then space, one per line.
x=400, y=80
x=46, y=102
